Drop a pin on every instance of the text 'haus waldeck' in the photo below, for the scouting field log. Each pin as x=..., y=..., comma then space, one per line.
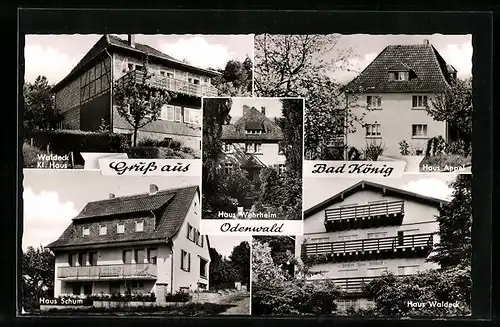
x=141, y=244
x=84, y=97
x=365, y=231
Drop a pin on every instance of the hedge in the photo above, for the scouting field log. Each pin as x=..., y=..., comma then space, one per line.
x=62, y=142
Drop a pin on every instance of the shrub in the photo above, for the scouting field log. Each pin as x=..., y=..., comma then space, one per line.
x=373, y=150
x=62, y=142
x=187, y=149
x=459, y=147
x=353, y=154
x=128, y=296
x=147, y=142
x=180, y=296
x=30, y=155
x=143, y=152
x=435, y=146
x=332, y=153
x=404, y=148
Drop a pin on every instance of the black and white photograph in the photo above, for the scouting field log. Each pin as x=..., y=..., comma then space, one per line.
x=380, y=248
x=376, y=97
x=252, y=158
x=100, y=245
x=126, y=96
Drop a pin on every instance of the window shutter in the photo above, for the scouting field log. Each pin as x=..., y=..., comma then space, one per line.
x=368, y=100
x=189, y=262
x=415, y=102
x=424, y=104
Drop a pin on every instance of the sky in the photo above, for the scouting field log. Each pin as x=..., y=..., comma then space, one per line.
x=455, y=49
x=53, y=197
x=273, y=106
x=317, y=189
x=55, y=55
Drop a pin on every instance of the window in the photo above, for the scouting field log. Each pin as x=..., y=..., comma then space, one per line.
x=139, y=67
x=419, y=101
x=86, y=231
x=372, y=272
x=103, y=230
x=114, y=287
x=411, y=231
x=140, y=256
x=200, y=240
x=346, y=304
x=196, y=81
x=374, y=102
x=87, y=288
x=178, y=113
x=281, y=168
x=139, y=226
x=82, y=259
x=408, y=270
x=130, y=66
x=185, y=261
x=120, y=228
x=93, y=258
x=377, y=235
x=162, y=73
x=76, y=288
x=227, y=147
x=373, y=130
x=400, y=76
x=281, y=148
x=418, y=130
x=171, y=75
x=228, y=167
x=190, y=232
x=192, y=116
x=253, y=131
x=319, y=239
x=347, y=272
x=203, y=268
x=348, y=237
x=71, y=259
x=152, y=256
x=253, y=147
x=127, y=256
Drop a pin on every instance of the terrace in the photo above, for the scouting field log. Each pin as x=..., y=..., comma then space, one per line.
x=364, y=216
x=170, y=84
x=417, y=245
x=108, y=272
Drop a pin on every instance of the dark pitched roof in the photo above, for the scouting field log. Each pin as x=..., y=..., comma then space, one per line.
x=253, y=162
x=429, y=71
x=170, y=206
x=252, y=119
x=114, y=43
x=363, y=185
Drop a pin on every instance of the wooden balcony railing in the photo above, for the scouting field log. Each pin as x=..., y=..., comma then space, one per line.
x=133, y=270
x=365, y=211
x=171, y=84
x=384, y=244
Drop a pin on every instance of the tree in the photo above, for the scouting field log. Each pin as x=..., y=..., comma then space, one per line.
x=236, y=78
x=282, y=251
x=37, y=274
x=296, y=66
x=137, y=102
x=455, y=106
x=455, y=223
x=222, y=273
x=39, y=105
x=240, y=259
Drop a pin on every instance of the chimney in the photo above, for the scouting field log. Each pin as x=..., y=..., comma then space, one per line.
x=263, y=110
x=111, y=195
x=131, y=40
x=426, y=41
x=245, y=109
x=153, y=189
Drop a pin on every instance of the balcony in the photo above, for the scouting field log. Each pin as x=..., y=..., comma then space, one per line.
x=364, y=216
x=170, y=84
x=404, y=246
x=108, y=272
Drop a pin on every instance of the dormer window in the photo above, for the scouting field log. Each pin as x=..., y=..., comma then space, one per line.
x=227, y=147
x=120, y=228
x=253, y=131
x=139, y=226
x=86, y=231
x=401, y=76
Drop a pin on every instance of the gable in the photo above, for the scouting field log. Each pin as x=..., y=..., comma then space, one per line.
x=429, y=71
x=252, y=119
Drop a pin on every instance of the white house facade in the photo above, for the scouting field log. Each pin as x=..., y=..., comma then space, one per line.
x=391, y=96
x=141, y=244
x=365, y=231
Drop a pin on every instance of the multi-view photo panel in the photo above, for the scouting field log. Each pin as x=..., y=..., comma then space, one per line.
x=294, y=175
